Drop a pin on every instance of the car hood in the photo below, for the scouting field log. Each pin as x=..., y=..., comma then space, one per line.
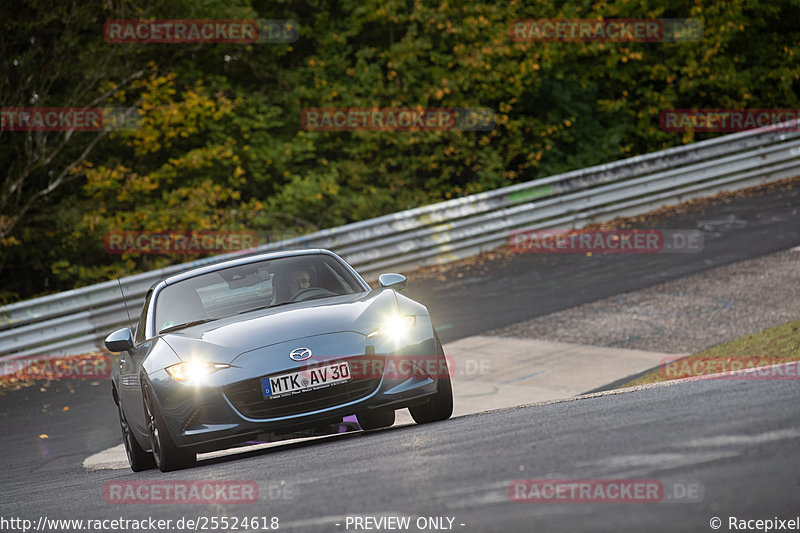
x=224, y=339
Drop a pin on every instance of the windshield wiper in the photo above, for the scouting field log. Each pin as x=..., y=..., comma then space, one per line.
x=186, y=325
x=264, y=307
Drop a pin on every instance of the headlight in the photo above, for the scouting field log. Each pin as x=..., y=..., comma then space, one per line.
x=190, y=370
x=395, y=327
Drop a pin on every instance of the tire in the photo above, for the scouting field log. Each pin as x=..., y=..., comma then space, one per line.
x=375, y=419
x=167, y=455
x=137, y=457
x=440, y=405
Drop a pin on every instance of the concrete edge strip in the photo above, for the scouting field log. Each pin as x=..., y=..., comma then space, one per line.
x=625, y=390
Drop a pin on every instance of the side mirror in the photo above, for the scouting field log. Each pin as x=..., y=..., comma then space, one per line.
x=397, y=282
x=120, y=341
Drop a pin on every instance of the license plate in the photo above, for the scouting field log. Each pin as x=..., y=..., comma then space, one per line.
x=305, y=380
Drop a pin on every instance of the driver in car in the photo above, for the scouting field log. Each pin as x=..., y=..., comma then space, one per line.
x=299, y=280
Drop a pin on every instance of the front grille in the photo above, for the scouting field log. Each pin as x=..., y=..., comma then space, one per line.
x=246, y=396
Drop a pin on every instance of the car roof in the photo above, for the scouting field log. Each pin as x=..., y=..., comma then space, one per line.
x=241, y=261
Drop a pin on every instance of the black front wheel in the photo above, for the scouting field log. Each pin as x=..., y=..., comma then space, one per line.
x=167, y=455
x=375, y=419
x=138, y=458
x=440, y=405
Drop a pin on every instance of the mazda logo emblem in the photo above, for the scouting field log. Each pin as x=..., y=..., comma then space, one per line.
x=299, y=354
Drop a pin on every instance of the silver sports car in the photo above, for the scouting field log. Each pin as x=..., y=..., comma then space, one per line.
x=268, y=347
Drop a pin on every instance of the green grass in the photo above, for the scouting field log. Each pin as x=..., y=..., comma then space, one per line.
x=779, y=344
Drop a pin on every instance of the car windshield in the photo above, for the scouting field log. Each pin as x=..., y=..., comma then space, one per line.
x=245, y=288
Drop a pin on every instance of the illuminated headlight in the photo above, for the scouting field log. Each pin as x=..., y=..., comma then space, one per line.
x=191, y=370
x=395, y=327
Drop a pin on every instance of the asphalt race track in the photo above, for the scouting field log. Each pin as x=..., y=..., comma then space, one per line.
x=731, y=444
x=736, y=441
x=532, y=285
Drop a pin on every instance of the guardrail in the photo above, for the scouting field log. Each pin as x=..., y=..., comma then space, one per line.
x=76, y=321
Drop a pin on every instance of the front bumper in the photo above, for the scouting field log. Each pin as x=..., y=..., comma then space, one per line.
x=228, y=405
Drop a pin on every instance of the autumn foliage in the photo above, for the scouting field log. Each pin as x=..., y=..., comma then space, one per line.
x=218, y=142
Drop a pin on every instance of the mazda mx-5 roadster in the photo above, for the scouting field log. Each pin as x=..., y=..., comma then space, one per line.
x=267, y=347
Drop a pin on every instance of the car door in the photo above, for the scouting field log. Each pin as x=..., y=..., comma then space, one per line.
x=130, y=368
